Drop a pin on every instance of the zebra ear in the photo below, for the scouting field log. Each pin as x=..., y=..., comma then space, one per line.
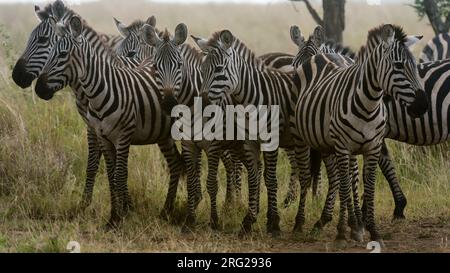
x=318, y=36
x=388, y=34
x=76, y=26
x=412, y=40
x=227, y=39
x=150, y=36
x=58, y=10
x=151, y=21
x=181, y=32
x=202, y=43
x=296, y=36
x=41, y=14
x=123, y=30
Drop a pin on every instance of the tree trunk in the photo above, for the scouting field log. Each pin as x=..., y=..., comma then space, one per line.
x=334, y=19
x=431, y=9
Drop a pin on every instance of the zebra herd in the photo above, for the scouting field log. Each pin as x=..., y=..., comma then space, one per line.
x=334, y=104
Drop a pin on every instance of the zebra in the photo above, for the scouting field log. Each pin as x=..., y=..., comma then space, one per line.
x=178, y=76
x=311, y=48
x=437, y=48
x=30, y=65
x=132, y=45
x=123, y=106
x=249, y=82
x=344, y=115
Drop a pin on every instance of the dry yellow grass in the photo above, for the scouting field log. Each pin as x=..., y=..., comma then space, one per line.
x=43, y=149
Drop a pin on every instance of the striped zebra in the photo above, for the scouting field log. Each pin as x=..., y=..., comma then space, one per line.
x=30, y=65
x=123, y=106
x=178, y=76
x=340, y=112
x=436, y=49
x=249, y=82
x=280, y=61
x=132, y=45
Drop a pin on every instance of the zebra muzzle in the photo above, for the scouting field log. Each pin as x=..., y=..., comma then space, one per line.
x=419, y=106
x=42, y=89
x=20, y=75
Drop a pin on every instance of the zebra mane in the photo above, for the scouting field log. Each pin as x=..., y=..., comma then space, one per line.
x=375, y=33
x=340, y=49
x=374, y=38
x=46, y=11
x=243, y=51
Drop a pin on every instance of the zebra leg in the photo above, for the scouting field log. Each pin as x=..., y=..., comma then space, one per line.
x=356, y=235
x=238, y=168
x=94, y=155
x=121, y=175
x=333, y=187
x=302, y=153
x=355, y=214
x=109, y=152
x=270, y=176
x=229, y=169
x=212, y=185
x=252, y=164
x=176, y=165
x=293, y=182
x=316, y=160
x=370, y=166
x=191, y=155
x=344, y=194
x=388, y=168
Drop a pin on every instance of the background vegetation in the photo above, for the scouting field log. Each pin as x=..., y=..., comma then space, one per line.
x=43, y=149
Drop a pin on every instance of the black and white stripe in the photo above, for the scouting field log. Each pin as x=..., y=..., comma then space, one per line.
x=340, y=112
x=123, y=107
x=436, y=49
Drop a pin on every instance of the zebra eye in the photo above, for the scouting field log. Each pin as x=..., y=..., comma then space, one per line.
x=42, y=40
x=398, y=65
x=63, y=54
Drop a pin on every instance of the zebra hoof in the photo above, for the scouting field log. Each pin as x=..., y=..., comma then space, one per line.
x=357, y=234
x=298, y=229
x=165, y=214
x=246, y=229
x=214, y=224
x=340, y=243
x=189, y=224
x=315, y=231
x=398, y=217
x=112, y=224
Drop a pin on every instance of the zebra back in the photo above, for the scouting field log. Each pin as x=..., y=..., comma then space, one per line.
x=436, y=49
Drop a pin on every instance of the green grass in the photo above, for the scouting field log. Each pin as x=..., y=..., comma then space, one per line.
x=43, y=152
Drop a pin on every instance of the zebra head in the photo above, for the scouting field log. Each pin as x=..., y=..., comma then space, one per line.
x=220, y=67
x=306, y=49
x=41, y=40
x=168, y=62
x=398, y=76
x=132, y=45
x=63, y=63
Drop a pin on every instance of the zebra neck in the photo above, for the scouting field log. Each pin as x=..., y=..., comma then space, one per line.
x=98, y=70
x=191, y=83
x=369, y=96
